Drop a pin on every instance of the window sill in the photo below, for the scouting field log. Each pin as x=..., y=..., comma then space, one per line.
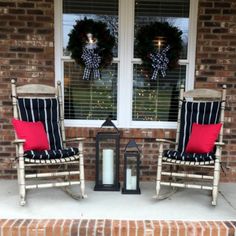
x=131, y=125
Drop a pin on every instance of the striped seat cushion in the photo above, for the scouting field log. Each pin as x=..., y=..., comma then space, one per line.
x=47, y=111
x=56, y=155
x=196, y=112
x=180, y=157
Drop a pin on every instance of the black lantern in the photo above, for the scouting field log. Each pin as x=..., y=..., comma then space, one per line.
x=131, y=168
x=107, y=158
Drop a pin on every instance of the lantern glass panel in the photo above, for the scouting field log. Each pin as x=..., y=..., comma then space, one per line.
x=131, y=172
x=107, y=161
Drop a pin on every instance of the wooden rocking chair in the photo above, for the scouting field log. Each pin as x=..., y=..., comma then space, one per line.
x=201, y=112
x=42, y=105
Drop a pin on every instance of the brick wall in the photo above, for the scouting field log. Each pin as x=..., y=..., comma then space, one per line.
x=27, y=53
x=216, y=64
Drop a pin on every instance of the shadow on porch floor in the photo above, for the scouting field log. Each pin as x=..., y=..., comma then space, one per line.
x=53, y=203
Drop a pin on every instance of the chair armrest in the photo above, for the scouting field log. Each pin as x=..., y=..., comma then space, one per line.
x=19, y=146
x=19, y=141
x=73, y=139
x=219, y=144
x=165, y=141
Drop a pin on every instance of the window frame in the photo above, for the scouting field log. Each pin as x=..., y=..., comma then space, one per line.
x=125, y=61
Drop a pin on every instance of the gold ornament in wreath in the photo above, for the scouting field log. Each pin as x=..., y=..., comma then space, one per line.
x=159, y=46
x=91, y=44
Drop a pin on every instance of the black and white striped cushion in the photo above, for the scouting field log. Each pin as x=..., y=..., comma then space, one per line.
x=51, y=154
x=196, y=112
x=47, y=111
x=183, y=157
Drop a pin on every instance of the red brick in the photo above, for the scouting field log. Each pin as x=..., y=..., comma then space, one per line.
x=49, y=227
x=75, y=227
x=116, y=227
x=92, y=227
x=181, y=228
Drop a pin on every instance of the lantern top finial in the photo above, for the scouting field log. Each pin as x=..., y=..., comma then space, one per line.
x=109, y=123
x=132, y=144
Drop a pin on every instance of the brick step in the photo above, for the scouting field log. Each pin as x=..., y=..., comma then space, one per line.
x=83, y=227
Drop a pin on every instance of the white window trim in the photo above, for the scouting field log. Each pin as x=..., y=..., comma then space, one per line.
x=125, y=63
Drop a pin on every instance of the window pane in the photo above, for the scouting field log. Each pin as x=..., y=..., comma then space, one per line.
x=89, y=99
x=98, y=10
x=156, y=100
x=175, y=12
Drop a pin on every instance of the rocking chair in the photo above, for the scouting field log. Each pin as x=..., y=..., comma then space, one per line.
x=40, y=141
x=200, y=122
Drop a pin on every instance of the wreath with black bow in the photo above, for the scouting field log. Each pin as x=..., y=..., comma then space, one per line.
x=91, y=44
x=159, y=46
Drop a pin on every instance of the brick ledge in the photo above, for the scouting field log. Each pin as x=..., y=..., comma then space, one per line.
x=83, y=227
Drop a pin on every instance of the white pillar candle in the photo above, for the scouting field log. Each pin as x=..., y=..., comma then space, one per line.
x=107, y=166
x=128, y=179
x=133, y=182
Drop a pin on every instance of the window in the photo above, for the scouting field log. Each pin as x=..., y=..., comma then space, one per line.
x=124, y=92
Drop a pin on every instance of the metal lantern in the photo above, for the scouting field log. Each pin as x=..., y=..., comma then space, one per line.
x=107, y=158
x=131, y=169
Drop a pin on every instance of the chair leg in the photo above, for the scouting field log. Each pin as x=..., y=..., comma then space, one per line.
x=159, y=169
x=66, y=178
x=21, y=180
x=81, y=168
x=158, y=180
x=216, y=179
x=82, y=181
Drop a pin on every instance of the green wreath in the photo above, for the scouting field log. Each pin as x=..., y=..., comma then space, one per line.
x=170, y=36
x=78, y=38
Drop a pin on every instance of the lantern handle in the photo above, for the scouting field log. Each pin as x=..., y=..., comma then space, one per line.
x=132, y=144
x=108, y=123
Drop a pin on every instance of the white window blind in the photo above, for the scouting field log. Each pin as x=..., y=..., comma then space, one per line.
x=162, y=8
x=157, y=100
x=89, y=100
x=93, y=99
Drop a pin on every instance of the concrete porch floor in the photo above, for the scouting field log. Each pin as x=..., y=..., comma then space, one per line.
x=53, y=203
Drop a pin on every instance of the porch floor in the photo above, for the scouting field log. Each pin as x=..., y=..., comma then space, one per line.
x=53, y=203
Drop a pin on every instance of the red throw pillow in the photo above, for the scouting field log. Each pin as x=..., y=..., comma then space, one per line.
x=34, y=134
x=202, y=138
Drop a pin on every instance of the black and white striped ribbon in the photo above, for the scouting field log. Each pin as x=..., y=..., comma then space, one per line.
x=92, y=61
x=159, y=62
